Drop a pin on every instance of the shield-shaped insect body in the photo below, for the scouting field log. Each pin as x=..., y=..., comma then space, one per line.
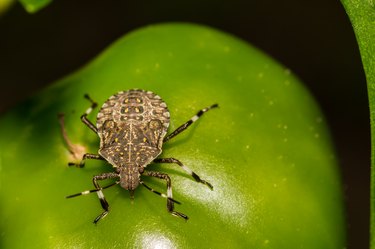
x=132, y=126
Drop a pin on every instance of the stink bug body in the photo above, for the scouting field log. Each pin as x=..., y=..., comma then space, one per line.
x=132, y=128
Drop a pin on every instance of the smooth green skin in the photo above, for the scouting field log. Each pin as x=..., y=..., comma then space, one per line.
x=362, y=17
x=266, y=151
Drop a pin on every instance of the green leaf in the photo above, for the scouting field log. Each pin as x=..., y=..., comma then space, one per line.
x=33, y=6
x=5, y=5
x=266, y=151
x=362, y=17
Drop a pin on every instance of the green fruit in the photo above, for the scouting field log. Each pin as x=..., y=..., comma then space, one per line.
x=266, y=151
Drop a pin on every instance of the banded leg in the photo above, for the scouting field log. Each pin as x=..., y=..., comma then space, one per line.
x=86, y=192
x=81, y=164
x=188, y=123
x=88, y=111
x=188, y=170
x=170, y=204
x=158, y=193
x=100, y=194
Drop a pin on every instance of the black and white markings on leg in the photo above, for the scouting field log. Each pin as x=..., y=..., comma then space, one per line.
x=132, y=126
x=189, y=122
x=187, y=169
x=93, y=190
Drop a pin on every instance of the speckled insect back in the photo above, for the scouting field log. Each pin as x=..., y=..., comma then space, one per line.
x=132, y=128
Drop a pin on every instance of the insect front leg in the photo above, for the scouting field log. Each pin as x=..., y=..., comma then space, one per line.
x=83, y=161
x=189, y=122
x=170, y=201
x=88, y=111
x=188, y=170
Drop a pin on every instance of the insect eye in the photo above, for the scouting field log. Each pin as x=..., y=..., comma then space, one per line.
x=154, y=124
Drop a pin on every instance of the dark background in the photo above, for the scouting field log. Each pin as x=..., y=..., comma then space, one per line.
x=313, y=38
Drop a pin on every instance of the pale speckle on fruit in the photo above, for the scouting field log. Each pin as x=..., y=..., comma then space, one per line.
x=170, y=54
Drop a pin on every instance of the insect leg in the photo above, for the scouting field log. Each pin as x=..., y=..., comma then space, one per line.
x=100, y=194
x=92, y=190
x=170, y=204
x=88, y=111
x=188, y=170
x=158, y=193
x=188, y=123
x=83, y=161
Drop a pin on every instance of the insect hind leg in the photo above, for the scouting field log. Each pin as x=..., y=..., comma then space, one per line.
x=98, y=191
x=158, y=193
x=100, y=194
x=188, y=170
x=170, y=201
x=86, y=192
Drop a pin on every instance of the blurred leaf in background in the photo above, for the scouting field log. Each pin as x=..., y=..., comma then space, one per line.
x=4, y=5
x=362, y=16
x=32, y=6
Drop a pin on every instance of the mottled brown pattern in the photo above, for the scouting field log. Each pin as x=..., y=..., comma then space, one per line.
x=131, y=126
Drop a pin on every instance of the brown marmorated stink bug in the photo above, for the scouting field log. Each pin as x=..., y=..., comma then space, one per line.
x=132, y=128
